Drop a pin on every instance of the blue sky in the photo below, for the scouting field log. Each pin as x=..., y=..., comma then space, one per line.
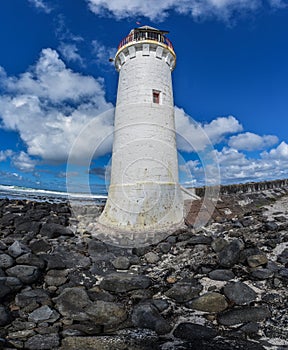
x=58, y=88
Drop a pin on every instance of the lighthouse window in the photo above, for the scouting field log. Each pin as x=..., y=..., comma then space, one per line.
x=156, y=96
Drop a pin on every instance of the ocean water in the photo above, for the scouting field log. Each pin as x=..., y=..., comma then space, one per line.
x=23, y=193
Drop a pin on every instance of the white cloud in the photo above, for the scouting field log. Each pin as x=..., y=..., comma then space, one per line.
x=198, y=9
x=193, y=136
x=41, y=5
x=49, y=104
x=70, y=53
x=252, y=142
x=236, y=167
x=279, y=153
x=23, y=162
x=5, y=154
x=102, y=52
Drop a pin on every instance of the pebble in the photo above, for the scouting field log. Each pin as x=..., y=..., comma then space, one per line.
x=230, y=254
x=257, y=260
x=221, y=275
x=191, y=331
x=239, y=293
x=209, y=302
x=243, y=315
x=122, y=282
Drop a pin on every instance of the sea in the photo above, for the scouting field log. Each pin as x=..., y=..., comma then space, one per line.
x=41, y=195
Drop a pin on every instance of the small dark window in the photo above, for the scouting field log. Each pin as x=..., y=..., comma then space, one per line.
x=156, y=97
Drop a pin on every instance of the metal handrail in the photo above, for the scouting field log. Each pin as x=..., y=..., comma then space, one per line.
x=141, y=36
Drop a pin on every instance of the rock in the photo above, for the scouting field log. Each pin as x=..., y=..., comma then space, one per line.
x=52, y=230
x=39, y=246
x=43, y=342
x=218, y=244
x=151, y=257
x=243, y=315
x=31, y=259
x=43, y=313
x=106, y=313
x=271, y=226
x=72, y=302
x=230, y=255
x=262, y=274
x=122, y=282
x=190, y=331
x=184, y=290
x=8, y=285
x=239, y=293
x=56, y=277
x=27, y=297
x=221, y=275
x=257, y=260
x=250, y=328
x=6, y=261
x=164, y=247
x=283, y=257
x=4, y=316
x=55, y=261
x=210, y=302
x=147, y=316
x=121, y=263
x=28, y=226
x=17, y=249
x=199, y=239
x=26, y=274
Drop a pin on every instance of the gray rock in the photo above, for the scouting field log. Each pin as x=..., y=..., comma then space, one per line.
x=199, y=239
x=56, y=277
x=27, y=297
x=257, y=260
x=6, y=261
x=164, y=247
x=39, y=246
x=121, y=263
x=191, y=331
x=4, y=316
x=218, y=244
x=31, y=259
x=52, y=230
x=17, y=249
x=43, y=342
x=243, y=315
x=8, y=285
x=122, y=282
x=147, y=316
x=221, y=275
x=43, y=313
x=26, y=274
x=283, y=257
x=239, y=293
x=230, y=255
x=262, y=274
x=106, y=313
x=271, y=226
x=71, y=303
x=184, y=290
x=151, y=257
x=209, y=302
x=250, y=328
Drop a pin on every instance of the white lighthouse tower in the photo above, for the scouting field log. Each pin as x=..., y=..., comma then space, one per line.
x=144, y=194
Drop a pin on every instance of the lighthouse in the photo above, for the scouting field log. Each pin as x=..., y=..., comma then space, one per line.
x=144, y=195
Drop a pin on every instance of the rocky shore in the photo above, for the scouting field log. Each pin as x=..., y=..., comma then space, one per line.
x=223, y=286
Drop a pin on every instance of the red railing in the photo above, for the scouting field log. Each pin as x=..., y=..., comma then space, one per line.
x=141, y=36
